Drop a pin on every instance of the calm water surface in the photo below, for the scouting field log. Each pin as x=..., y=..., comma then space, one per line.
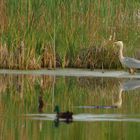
x=104, y=108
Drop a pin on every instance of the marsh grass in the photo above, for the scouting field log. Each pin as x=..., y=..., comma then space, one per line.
x=36, y=34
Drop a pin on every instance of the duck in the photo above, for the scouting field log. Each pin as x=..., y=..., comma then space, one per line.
x=67, y=116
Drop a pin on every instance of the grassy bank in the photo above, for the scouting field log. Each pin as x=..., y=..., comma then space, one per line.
x=66, y=33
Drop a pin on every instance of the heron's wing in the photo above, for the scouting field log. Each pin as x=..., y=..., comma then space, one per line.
x=131, y=62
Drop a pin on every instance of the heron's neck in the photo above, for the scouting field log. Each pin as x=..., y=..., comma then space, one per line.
x=121, y=53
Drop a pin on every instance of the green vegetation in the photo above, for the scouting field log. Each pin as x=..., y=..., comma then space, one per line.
x=66, y=33
x=19, y=96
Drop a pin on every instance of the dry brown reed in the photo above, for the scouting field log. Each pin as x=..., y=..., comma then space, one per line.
x=49, y=34
x=33, y=62
x=4, y=55
x=48, y=56
x=95, y=56
x=86, y=58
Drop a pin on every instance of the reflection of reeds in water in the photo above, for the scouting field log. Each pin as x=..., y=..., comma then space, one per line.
x=67, y=92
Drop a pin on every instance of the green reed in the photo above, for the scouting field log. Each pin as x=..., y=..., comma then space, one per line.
x=68, y=27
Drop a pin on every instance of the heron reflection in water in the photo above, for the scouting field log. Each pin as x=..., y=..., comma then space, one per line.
x=128, y=62
x=126, y=86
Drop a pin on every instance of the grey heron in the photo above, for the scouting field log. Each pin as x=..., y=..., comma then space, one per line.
x=131, y=63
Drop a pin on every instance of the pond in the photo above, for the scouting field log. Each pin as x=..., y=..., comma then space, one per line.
x=104, y=107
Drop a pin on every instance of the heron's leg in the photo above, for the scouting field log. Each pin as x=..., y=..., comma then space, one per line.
x=131, y=71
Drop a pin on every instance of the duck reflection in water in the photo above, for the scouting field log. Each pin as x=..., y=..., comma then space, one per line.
x=126, y=86
x=40, y=104
x=62, y=116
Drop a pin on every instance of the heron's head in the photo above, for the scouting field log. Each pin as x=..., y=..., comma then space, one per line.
x=119, y=43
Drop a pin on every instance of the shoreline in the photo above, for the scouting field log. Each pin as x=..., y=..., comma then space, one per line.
x=74, y=72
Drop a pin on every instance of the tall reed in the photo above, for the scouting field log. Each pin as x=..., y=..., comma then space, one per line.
x=69, y=27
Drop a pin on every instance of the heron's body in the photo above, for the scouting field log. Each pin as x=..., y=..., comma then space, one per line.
x=128, y=62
